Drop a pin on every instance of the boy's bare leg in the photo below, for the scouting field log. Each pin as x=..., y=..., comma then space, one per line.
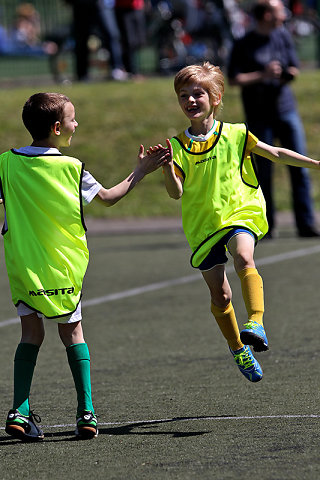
x=241, y=247
x=71, y=333
x=32, y=329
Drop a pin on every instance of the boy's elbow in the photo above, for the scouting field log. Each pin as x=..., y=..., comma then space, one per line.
x=176, y=195
x=105, y=198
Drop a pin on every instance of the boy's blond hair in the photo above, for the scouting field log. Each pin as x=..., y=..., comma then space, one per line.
x=207, y=75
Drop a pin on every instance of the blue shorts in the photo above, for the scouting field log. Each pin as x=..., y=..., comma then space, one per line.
x=217, y=254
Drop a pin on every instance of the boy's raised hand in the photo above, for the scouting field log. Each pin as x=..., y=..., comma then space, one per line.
x=157, y=156
x=170, y=158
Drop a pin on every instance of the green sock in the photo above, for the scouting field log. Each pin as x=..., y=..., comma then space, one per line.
x=79, y=361
x=24, y=362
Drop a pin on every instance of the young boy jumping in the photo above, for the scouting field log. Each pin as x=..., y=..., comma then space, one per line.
x=222, y=205
x=46, y=251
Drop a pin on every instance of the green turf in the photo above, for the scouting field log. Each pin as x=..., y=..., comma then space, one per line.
x=171, y=401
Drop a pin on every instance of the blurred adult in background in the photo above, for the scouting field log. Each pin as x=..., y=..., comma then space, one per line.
x=96, y=16
x=4, y=41
x=25, y=36
x=132, y=24
x=263, y=63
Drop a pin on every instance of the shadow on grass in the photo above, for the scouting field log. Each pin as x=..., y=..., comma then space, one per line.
x=128, y=429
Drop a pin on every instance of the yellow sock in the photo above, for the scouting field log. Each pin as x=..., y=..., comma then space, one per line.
x=226, y=319
x=252, y=292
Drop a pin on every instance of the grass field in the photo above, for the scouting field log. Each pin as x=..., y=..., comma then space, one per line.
x=115, y=118
x=171, y=403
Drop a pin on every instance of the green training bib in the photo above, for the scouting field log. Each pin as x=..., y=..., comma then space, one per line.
x=44, y=234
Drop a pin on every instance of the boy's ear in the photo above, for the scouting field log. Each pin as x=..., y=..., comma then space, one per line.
x=217, y=100
x=56, y=128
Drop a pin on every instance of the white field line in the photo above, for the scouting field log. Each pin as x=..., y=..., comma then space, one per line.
x=301, y=252
x=138, y=423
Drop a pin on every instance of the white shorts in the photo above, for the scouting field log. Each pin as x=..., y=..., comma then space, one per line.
x=76, y=316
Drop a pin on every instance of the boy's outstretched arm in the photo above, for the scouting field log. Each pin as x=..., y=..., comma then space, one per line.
x=173, y=183
x=145, y=165
x=285, y=156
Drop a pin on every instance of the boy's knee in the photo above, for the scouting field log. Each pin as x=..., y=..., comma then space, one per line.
x=32, y=329
x=243, y=260
x=222, y=300
x=34, y=337
x=71, y=333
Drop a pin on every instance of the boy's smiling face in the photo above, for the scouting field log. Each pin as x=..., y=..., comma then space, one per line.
x=195, y=102
x=66, y=128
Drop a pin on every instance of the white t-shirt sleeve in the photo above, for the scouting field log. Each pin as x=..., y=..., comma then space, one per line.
x=89, y=187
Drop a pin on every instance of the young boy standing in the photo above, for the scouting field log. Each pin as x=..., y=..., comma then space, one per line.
x=46, y=251
x=222, y=205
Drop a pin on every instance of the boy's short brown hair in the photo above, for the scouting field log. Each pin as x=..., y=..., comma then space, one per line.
x=207, y=75
x=41, y=111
